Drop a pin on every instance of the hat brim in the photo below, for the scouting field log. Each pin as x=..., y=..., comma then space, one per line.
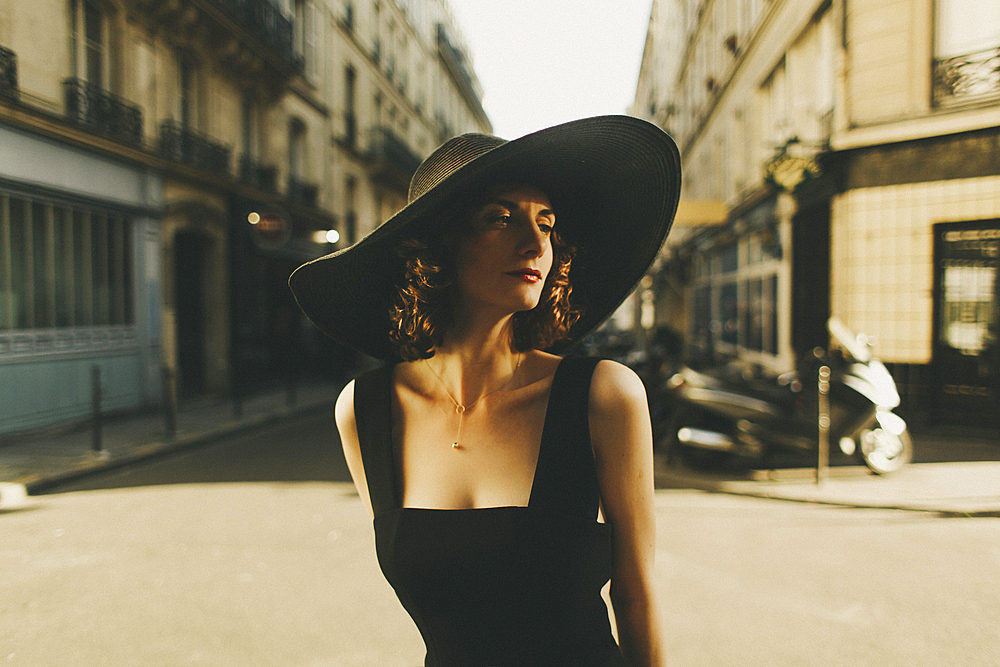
x=614, y=182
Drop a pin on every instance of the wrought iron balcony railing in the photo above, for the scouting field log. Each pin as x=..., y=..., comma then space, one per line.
x=970, y=78
x=302, y=193
x=388, y=149
x=256, y=175
x=184, y=145
x=265, y=19
x=102, y=112
x=8, y=74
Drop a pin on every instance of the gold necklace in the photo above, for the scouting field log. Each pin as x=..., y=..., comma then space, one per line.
x=459, y=408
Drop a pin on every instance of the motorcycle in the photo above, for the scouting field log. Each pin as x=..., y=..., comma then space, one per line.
x=730, y=414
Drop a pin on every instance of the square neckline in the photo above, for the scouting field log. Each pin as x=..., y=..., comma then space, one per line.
x=546, y=426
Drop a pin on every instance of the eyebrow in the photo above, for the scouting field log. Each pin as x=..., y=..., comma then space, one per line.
x=506, y=203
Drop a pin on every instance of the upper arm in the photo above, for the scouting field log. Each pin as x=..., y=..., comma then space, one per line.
x=623, y=447
x=348, y=427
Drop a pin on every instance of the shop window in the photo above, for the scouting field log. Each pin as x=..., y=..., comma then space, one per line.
x=968, y=307
x=735, y=296
x=729, y=311
x=729, y=258
x=63, y=266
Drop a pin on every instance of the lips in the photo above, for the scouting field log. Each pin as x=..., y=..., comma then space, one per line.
x=529, y=275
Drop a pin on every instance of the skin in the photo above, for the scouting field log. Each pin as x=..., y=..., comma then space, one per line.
x=506, y=394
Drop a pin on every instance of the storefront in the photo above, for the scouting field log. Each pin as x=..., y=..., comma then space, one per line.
x=79, y=282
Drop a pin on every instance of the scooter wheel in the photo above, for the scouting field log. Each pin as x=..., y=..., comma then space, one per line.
x=883, y=451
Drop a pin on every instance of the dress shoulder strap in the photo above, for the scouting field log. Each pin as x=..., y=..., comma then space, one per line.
x=373, y=414
x=566, y=476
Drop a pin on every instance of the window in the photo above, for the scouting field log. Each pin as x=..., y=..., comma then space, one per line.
x=729, y=313
x=296, y=148
x=735, y=295
x=63, y=266
x=88, y=43
x=250, y=126
x=776, y=129
x=350, y=215
x=187, y=88
x=348, y=20
x=350, y=119
x=966, y=26
x=966, y=50
x=305, y=35
x=968, y=305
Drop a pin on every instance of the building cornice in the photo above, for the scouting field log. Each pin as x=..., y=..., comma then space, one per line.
x=50, y=126
x=932, y=125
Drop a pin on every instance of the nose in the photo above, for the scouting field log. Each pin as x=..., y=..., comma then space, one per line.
x=533, y=239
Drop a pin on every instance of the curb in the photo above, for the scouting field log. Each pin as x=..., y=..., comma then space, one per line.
x=103, y=462
x=795, y=489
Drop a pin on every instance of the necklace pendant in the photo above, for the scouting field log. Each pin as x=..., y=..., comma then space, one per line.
x=455, y=445
x=460, y=409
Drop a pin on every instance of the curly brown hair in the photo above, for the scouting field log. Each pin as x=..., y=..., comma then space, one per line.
x=421, y=311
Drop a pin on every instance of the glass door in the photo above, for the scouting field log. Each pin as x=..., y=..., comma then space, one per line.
x=967, y=319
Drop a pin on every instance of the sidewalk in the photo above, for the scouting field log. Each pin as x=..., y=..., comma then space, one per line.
x=32, y=463
x=968, y=488
x=956, y=472
x=960, y=475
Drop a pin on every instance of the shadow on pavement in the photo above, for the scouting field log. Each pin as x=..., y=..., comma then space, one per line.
x=304, y=449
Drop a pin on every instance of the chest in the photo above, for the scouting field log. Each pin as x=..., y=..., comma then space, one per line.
x=494, y=463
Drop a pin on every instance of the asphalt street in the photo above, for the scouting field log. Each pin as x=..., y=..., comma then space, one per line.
x=257, y=551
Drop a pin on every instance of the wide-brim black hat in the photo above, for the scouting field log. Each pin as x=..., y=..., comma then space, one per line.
x=613, y=181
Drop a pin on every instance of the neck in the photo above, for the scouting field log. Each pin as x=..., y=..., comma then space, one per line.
x=474, y=361
x=479, y=341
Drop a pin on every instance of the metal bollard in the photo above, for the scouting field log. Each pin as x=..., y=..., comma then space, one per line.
x=823, y=458
x=237, y=401
x=96, y=442
x=169, y=401
x=291, y=381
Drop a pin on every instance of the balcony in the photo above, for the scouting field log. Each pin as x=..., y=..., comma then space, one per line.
x=390, y=157
x=454, y=60
x=245, y=35
x=101, y=112
x=302, y=193
x=256, y=175
x=967, y=79
x=8, y=75
x=184, y=145
x=264, y=20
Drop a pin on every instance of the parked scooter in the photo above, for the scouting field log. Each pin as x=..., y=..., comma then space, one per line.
x=727, y=415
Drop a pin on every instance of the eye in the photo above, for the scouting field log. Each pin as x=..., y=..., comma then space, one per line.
x=500, y=219
x=545, y=227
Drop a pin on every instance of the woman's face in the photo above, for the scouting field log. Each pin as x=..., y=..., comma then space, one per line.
x=504, y=253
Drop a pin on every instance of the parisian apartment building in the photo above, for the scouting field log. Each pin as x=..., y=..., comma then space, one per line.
x=166, y=164
x=841, y=159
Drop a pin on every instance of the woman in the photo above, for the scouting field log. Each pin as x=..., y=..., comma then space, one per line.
x=508, y=484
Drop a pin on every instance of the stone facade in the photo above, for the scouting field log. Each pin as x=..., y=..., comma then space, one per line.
x=221, y=142
x=847, y=139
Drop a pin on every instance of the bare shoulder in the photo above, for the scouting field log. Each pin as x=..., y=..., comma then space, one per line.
x=614, y=387
x=618, y=413
x=347, y=425
x=344, y=412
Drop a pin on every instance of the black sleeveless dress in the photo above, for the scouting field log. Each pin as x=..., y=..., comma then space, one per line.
x=500, y=586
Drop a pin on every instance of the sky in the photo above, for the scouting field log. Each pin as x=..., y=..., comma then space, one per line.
x=544, y=62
